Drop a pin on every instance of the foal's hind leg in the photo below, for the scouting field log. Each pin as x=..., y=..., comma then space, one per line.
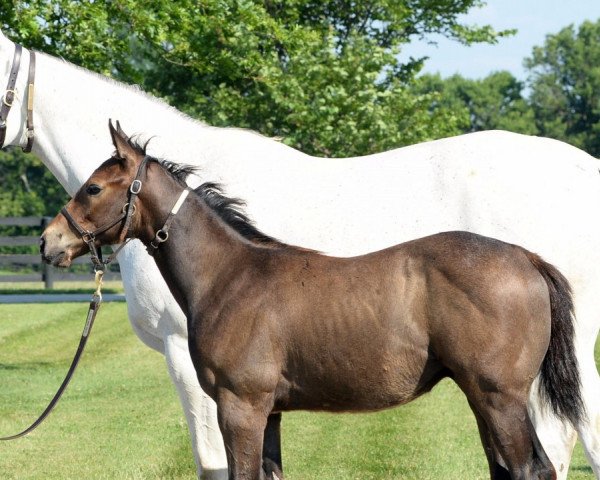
x=513, y=434
x=497, y=467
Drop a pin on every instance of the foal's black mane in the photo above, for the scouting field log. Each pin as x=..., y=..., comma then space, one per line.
x=227, y=209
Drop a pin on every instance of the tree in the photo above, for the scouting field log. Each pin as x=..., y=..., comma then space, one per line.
x=494, y=102
x=28, y=188
x=565, y=86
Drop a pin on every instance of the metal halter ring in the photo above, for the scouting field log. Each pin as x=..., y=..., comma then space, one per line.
x=125, y=208
x=161, y=236
x=9, y=90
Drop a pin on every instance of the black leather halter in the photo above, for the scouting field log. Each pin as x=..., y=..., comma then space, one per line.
x=9, y=97
x=89, y=237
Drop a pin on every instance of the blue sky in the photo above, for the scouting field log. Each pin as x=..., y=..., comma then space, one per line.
x=533, y=20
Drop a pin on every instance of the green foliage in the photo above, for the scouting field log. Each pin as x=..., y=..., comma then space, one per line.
x=28, y=187
x=565, y=86
x=331, y=103
x=494, y=102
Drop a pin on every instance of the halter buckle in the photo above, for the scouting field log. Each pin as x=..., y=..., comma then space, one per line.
x=135, y=187
x=14, y=93
x=88, y=237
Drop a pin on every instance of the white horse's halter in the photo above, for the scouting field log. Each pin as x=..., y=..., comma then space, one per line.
x=9, y=96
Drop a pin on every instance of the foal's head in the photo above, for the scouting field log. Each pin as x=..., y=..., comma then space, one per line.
x=99, y=212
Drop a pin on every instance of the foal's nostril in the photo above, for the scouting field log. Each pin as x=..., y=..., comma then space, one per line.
x=42, y=244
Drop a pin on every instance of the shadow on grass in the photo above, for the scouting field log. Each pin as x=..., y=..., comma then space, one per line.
x=582, y=468
x=26, y=365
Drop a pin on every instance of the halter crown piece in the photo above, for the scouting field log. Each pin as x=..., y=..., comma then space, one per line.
x=9, y=97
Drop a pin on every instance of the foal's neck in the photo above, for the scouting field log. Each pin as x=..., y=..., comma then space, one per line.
x=201, y=248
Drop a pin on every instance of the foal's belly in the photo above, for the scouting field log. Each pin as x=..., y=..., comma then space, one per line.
x=362, y=383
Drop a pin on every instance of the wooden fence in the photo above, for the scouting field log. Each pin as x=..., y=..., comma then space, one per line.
x=45, y=273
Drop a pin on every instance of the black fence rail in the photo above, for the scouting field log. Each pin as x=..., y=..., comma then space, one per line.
x=36, y=270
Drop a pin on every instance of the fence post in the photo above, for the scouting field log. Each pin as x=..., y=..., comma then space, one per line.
x=47, y=272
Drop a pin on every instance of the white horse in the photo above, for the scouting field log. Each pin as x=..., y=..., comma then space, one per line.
x=536, y=192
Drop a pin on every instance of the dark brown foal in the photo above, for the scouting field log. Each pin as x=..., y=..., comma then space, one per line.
x=274, y=328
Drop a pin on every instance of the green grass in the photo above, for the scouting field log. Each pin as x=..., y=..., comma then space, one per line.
x=120, y=418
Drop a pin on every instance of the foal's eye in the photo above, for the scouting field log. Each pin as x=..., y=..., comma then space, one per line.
x=93, y=189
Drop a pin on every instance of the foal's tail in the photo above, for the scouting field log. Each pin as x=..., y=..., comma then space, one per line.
x=560, y=383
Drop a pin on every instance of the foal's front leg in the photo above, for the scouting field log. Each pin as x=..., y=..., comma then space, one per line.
x=242, y=424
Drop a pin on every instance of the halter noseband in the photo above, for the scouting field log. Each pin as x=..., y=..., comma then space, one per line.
x=9, y=97
x=128, y=210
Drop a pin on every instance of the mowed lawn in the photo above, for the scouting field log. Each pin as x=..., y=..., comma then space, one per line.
x=120, y=418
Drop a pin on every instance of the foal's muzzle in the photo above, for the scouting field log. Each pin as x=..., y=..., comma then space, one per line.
x=57, y=245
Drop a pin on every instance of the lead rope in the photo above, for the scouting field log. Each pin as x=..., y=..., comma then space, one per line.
x=89, y=322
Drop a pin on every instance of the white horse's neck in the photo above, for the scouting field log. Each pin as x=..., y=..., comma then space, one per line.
x=72, y=109
x=71, y=112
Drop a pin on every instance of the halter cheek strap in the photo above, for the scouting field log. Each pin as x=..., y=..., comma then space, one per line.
x=90, y=238
x=29, y=134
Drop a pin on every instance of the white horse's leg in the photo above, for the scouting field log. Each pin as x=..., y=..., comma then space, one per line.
x=200, y=411
x=558, y=438
x=150, y=340
x=160, y=324
x=589, y=431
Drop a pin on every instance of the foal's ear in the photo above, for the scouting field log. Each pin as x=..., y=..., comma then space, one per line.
x=121, y=142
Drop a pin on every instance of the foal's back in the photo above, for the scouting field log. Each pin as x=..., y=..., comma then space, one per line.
x=378, y=330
